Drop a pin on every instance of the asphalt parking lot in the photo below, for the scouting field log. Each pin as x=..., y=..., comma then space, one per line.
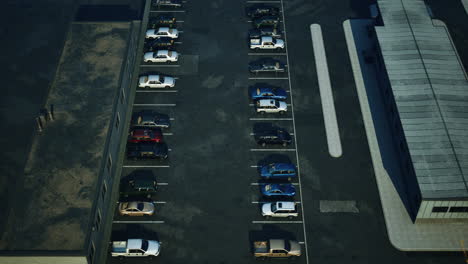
x=207, y=205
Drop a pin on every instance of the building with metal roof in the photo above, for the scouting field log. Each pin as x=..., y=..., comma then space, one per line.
x=429, y=107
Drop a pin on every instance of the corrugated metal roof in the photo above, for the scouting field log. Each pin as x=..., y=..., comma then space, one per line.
x=431, y=94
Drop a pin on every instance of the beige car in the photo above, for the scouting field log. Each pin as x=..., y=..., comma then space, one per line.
x=136, y=208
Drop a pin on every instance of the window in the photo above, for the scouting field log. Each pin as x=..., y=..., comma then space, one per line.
x=458, y=209
x=117, y=121
x=439, y=209
x=104, y=190
x=109, y=163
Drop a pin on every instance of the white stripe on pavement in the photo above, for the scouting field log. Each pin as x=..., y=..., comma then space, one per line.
x=326, y=93
x=276, y=222
x=159, y=65
x=268, y=78
x=154, y=104
x=266, y=54
x=145, y=166
x=270, y=119
x=272, y=150
x=138, y=222
x=157, y=91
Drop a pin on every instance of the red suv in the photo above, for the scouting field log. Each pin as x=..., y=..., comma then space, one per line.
x=145, y=135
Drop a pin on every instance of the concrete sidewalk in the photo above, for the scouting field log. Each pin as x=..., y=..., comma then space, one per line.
x=403, y=234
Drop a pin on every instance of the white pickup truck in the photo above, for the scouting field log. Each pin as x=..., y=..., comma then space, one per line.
x=266, y=42
x=135, y=248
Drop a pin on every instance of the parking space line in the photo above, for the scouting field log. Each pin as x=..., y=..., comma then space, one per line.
x=145, y=166
x=271, y=2
x=269, y=119
x=268, y=78
x=157, y=91
x=301, y=242
x=162, y=183
x=159, y=202
x=181, y=31
x=167, y=134
x=295, y=138
x=159, y=65
x=260, y=202
x=167, y=11
x=276, y=222
x=180, y=21
x=266, y=54
x=154, y=104
x=172, y=119
x=250, y=21
x=266, y=150
x=258, y=184
x=326, y=93
x=253, y=134
x=138, y=222
x=254, y=104
x=177, y=42
x=254, y=166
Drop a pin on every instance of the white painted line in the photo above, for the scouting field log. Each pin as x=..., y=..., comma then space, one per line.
x=253, y=134
x=163, y=183
x=268, y=78
x=258, y=184
x=276, y=222
x=266, y=54
x=169, y=149
x=259, y=202
x=138, y=222
x=159, y=65
x=154, y=104
x=266, y=150
x=159, y=202
x=177, y=42
x=326, y=93
x=181, y=31
x=301, y=242
x=171, y=118
x=250, y=21
x=254, y=104
x=270, y=119
x=176, y=78
x=270, y=2
x=295, y=139
x=180, y=21
x=167, y=11
x=145, y=166
x=167, y=134
x=254, y=166
x=157, y=91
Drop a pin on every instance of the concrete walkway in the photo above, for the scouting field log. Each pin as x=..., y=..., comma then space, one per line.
x=403, y=234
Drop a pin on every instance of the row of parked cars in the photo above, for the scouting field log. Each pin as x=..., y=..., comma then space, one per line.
x=276, y=178
x=146, y=138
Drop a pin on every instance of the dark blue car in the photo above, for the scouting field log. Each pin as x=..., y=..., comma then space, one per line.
x=278, y=171
x=257, y=93
x=274, y=190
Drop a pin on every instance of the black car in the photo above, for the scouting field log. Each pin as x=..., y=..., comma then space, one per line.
x=147, y=150
x=148, y=118
x=273, y=136
x=265, y=31
x=160, y=43
x=162, y=21
x=262, y=10
x=141, y=183
x=167, y=3
x=266, y=21
x=267, y=65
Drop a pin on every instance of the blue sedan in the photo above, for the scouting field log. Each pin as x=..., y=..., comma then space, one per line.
x=257, y=93
x=278, y=171
x=274, y=190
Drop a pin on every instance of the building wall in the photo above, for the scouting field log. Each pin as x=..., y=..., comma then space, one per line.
x=43, y=260
x=110, y=175
x=443, y=210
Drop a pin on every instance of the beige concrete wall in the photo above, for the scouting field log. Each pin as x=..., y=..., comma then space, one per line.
x=425, y=210
x=43, y=260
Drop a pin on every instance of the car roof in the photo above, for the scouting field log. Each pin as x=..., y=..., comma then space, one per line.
x=284, y=166
x=286, y=205
x=163, y=29
x=153, y=77
x=163, y=52
x=266, y=102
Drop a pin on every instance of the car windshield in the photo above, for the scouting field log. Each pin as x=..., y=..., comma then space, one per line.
x=273, y=207
x=125, y=205
x=277, y=104
x=272, y=167
x=146, y=78
x=169, y=53
x=161, y=78
x=258, y=91
x=171, y=30
x=141, y=206
x=144, y=245
x=267, y=187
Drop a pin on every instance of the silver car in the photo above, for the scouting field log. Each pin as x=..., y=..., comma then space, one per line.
x=136, y=208
x=156, y=81
x=264, y=106
x=280, y=209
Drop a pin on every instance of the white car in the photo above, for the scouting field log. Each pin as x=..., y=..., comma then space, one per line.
x=271, y=106
x=162, y=32
x=156, y=81
x=161, y=56
x=280, y=209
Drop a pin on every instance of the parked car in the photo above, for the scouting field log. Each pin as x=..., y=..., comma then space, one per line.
x=264, y=31
x=160, y=43
x=138, y=135
x=141, y=183
x=136, y=208
x=259, y=10
x=156, y=81
x=271, y=106
x=278, y=171
x=266, y=21
x=167, y=3
x=280, y=209
x=162, y=20
x=147, y=150
x=273, y=136
x=266, y=92
x=276, y=248
x=162, y=32
x=267, y=65
x=278, y=189
x=161, y=56
x=266, y=43
x=148, y=118
x=135, y=248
